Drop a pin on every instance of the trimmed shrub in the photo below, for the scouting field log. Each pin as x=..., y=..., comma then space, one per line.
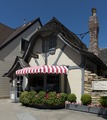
x=39, y=98
x=23, y=97
x=103, y=101
x=51, y=98
x=86, y=99
x=42, y=98
x=30, y=97
x=26, y=97
x=71, y=98
x=63, y=97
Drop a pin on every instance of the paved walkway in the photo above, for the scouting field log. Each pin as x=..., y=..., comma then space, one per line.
x=14, y=111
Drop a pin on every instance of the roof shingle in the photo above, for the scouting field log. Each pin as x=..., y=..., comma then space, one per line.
x=5, y=32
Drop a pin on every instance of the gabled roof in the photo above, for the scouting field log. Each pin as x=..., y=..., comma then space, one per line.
x=18, y=63
x=5, y=32
x=69, y=37
x=17, y=32
x=55, y=25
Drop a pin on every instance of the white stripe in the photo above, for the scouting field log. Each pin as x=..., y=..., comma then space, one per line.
x=54, y=67
x=50, y=68
x=45, y=69
x=59, y=71
x=62, y=67
x=66, y=69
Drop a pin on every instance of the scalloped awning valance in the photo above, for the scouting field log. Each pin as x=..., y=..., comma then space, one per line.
x=43, y=69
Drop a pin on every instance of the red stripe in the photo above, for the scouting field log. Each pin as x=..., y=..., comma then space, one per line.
x=43, y=69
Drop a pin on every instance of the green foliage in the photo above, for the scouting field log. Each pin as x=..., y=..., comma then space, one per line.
x=103, y=101
x=39, y=98
x=23, y=97
x=42, y=98
x=27, y=97
x=86, y=99
x=51, y=98
x=63, y=97
x=71, y=97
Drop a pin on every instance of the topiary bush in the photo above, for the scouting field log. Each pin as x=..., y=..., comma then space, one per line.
x=86, y=99
x=103, y=101
x=71, y=97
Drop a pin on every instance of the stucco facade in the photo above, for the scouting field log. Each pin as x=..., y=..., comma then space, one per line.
x=64, y=55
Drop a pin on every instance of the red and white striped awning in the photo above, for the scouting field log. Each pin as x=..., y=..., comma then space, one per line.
x=43, y=69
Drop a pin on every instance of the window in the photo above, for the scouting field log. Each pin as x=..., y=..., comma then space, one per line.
x=37, y=83
x=24, y=45
x=53, y=82
x=49, y=44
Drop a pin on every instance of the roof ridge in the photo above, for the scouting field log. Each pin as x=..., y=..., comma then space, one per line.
x=19, y=31
x=55, y=24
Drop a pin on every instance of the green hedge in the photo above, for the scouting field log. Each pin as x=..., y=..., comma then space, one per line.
x=42, y=98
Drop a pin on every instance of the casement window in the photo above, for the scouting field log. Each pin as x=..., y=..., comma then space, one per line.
x=49, y=44
x=23, y=45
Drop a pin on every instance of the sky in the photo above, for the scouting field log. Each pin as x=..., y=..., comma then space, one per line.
x=73, y=14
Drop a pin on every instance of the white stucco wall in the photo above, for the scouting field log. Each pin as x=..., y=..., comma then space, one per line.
x=75, y=83
x=67, y=56
x=64, y=55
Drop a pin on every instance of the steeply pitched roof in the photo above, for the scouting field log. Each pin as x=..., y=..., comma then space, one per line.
x=18, y=31
x=5, y=32
x=18, y=63
x=55, y=25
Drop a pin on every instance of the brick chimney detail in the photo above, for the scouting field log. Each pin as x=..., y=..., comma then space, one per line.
x=93, y=31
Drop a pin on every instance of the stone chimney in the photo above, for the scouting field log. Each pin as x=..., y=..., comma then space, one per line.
x=93, y=31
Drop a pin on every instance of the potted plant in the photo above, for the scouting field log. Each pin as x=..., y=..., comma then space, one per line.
x=86, y=100
x=71, y=101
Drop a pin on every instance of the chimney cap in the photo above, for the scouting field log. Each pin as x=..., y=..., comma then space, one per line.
x=93, y=10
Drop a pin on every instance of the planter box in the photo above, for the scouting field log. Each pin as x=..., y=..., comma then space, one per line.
x=71, y=106
x=94, y=109
x=83, y=108
x=77, y=107
x=98, y=110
